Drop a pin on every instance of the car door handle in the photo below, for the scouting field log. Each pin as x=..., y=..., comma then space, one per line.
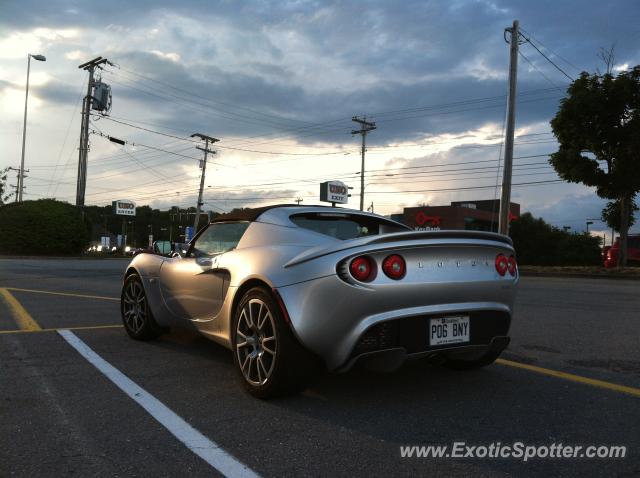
x=204, y=262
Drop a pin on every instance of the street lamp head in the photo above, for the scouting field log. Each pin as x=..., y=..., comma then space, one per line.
x=38, y=57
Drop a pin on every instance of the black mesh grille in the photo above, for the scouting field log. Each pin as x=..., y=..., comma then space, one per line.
x=378, y=337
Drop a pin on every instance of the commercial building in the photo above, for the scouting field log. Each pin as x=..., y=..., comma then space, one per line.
x=471, y=215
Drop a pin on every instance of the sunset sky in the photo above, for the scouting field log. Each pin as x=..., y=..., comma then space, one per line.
x=278, y=83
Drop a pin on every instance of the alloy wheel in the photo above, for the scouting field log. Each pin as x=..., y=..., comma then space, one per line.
x=256, y=342
x=134, y=306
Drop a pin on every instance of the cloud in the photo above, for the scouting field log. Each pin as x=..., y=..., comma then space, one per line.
x=169, y=56
x=20, y=43
x=75, y=55
x=286, y=77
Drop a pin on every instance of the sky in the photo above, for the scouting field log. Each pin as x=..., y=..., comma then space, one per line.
x=279, y=82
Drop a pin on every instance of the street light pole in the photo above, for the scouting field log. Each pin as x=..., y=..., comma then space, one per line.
x=24, y=125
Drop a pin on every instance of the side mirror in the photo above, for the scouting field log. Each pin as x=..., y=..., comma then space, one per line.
x=180, y=249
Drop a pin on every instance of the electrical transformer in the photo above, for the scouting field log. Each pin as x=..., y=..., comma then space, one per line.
x=101, y=97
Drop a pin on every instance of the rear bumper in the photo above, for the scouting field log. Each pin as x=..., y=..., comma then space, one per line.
x=487, y=327
x=391, y=359
x=331, y=318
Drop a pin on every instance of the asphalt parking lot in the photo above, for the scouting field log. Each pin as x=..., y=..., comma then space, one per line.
x=570, y=376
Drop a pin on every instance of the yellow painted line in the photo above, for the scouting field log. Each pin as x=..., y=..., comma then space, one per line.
x=67, y=294
x=91, y=327
x=573, y=378
x=20, y=314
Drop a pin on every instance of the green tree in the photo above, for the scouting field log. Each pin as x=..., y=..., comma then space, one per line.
x=612, y=213
x=598, y=128
x=43, y=227
x=538, y=243
x=4, y=196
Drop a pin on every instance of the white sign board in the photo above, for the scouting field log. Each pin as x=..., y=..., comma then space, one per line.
x=124, y=207
x=334, y=192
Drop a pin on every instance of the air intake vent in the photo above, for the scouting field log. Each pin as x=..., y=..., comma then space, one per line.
x=379, y=337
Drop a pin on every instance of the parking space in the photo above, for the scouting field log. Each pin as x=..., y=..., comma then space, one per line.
x=62, y=310
x=62, y=414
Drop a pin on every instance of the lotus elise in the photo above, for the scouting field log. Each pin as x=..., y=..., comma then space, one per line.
x=288, y=288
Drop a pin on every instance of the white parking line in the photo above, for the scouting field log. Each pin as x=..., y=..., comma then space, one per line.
x=192, y=438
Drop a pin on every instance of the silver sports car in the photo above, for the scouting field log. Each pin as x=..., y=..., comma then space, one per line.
x=288, y=288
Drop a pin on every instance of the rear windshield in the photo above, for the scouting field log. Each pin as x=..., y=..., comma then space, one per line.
x=346, y=226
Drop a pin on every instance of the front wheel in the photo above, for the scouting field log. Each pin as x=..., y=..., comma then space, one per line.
x=268, y=358
x=137, y=318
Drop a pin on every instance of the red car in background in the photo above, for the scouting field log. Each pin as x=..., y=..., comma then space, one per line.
x=610, y=253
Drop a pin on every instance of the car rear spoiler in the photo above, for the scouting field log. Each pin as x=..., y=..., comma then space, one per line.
x=409, y=236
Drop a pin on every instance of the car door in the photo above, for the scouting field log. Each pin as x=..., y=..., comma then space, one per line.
x=192, y=286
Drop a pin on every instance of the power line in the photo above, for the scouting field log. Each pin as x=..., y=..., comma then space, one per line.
x=579, y=70
x=547, y=58
x=338, y=152
x=315, y=180
x=159, y=149
x=280, y=118
x=312, y=126
x=455, y=164
x=146, y=166
x=465, y=188
x=220, y=146
x=421, y=181
x=66, y=136
x=453, y=172
x=195, y=104
x=538, y=70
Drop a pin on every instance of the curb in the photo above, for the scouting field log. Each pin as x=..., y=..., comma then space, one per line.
x=577, y=275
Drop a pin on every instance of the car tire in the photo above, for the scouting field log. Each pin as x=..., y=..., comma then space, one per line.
x=268, y=358
x=473, y=361
x=136, y=314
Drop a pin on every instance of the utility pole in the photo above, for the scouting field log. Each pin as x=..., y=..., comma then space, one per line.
x=89, y=66
x=299, y=200
x=505, y=200
x=20, y=181
x=207, y=140
x=365, y=127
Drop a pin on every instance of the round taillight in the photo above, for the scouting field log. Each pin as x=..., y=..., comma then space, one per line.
x=502, y=264
x=394, y=267
x=363, y=269
x=512, y=265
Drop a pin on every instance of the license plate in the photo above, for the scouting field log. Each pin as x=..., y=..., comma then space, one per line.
x=449, y=330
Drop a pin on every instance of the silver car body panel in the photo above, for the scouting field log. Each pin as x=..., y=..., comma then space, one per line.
x=448, y=272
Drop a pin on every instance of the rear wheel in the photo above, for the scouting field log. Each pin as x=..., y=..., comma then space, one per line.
x=268, y=358
x=137, y=318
